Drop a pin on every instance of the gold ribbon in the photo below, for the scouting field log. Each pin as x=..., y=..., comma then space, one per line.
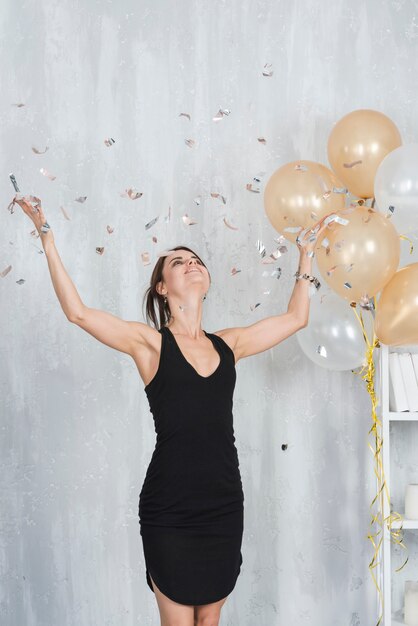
x=367, y=373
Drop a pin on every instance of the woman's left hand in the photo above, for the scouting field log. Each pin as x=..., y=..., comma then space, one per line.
x=308, y=246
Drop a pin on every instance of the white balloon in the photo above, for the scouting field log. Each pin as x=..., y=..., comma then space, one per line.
x=396, y=184
x=333, y=337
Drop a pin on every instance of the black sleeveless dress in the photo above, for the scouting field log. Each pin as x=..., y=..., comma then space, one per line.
x=191, y=505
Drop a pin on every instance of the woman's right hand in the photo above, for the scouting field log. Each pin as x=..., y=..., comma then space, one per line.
x=34, y=211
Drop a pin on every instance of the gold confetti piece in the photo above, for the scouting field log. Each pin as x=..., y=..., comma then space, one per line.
x=131, y=193
x=261, y=140
x=145, y=258
x=322, y=351
x=218, y=195
x=261, y=248
x=250, y=188
x=187, y=220
x=347, y=285
x=189, y=142
x=64, y=212
x=266, y=70
x=255, y=306
x=46, y=173
x=109, y=229
x=235, y=271
x=100, y=250
x=36, y=151
x=4, y=272
x=20, y=281
x=81, y=199
x=198, y=200
x=301, y=167
x=18, y=104
x=185, y=115
x=220, y=114
x=352, y=164
x=151, y=223
x=154, y=239
x=109, y=141
x=230, y=225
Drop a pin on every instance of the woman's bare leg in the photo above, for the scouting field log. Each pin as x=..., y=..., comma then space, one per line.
x=172, y=613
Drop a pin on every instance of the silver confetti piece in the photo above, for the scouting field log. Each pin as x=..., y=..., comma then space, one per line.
x=151, y=223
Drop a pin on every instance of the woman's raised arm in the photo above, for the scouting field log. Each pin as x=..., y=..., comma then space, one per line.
x=109, y=329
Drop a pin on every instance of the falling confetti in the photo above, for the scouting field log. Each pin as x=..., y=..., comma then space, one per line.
x=100, y=250
x=36, y=151
x=46, y=173
x=189, y=142
x=266, y=70
x=151, y=223
x=230, y=225
x=261, y=140
x=110, y=229
x=64, y=212
x=145, y=258
x=154, y=239
x=235, y=271
x=390, y=211
x=218, y=195
x=20, y=281
x=185, y=115
x=131, y=193
x=322, y=351
x=347, y=285
x=187, y=220
x=255, y=306
x=4, y=272
x=352, y=164
x=261, y=248
x=109, y=141
x=300, y=167
x=198, y=200
x=220, y=114
x=81, y=199
x=18, y=104
x=249, y=187
x=339, y=190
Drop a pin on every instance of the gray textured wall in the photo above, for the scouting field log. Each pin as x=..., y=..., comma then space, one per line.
x=76, y=432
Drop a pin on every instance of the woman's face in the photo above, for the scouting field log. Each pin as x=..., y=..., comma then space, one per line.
x=183, y=271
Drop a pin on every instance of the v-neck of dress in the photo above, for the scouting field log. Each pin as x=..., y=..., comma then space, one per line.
x=189, y=364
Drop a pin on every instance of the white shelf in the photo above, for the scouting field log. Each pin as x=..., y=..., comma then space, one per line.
x=390, y=617
x=408, y=524
x=403, y=416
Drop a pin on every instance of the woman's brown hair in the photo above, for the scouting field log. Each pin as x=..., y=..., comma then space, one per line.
x=154, y=299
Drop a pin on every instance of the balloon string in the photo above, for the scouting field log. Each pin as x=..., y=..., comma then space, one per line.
x=395, y=534
x=411, y=245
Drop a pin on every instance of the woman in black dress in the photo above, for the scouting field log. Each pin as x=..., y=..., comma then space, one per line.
x=191, y=501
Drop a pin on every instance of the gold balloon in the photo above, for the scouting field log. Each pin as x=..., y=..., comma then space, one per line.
x=357, y=259
x=299, y=194
x=357, y=145
x=396, y=321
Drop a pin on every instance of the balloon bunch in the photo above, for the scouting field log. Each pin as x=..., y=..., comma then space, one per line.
x=357, y=254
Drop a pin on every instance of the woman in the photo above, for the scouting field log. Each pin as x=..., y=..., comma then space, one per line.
x=191, y=502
